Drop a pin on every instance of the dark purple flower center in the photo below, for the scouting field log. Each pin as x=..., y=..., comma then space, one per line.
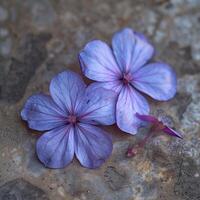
x=126, y=79
x=72, y=119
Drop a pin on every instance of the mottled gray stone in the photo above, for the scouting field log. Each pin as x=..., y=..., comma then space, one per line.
x=34, y=167
x=43, y=37
x=32, y=52
x=3, y=32
x=42, y=13
x=188, y=182
x=181, y=102
x=3, y=14
x=5, y=47
x=21, y=189
x=180, y=59
x=115, y=179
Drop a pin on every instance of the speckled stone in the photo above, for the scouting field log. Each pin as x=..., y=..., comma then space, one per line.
x=3, y=14
x=39, y=38
x=21, y=189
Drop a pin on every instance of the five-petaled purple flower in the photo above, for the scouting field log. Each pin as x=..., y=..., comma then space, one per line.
x=70, y=116
x=124, y=69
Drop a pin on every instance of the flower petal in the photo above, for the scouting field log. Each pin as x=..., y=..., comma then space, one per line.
x=171, y=132
x=158, y=80
x=99, y=106
x=55, y=149
x=141, y=36
x=131, y=50
x=129, y=103
x=115, y=86
x=67, y=90
x=93, y=145
x=147, y=118
x=98, y=63
x=42, y=113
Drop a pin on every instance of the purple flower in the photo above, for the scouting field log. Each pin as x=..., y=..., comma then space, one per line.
x=124, y=69
x=159, y=124
x=69, y=116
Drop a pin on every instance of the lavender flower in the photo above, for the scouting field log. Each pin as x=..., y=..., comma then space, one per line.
x=124, y=69
x=70, y=115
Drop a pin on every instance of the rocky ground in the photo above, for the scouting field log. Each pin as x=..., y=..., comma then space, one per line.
x=39, y=38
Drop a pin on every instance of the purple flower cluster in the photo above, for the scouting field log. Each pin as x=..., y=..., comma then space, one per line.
x=70, y=114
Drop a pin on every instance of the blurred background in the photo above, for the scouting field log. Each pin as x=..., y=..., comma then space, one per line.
x=39, y=38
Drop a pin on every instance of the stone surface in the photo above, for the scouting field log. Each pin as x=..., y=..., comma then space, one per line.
x=32, y=52
x=3, y=14
x=39, y=38
x=20, y=189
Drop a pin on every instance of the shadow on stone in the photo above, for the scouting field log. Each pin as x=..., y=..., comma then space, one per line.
x=21, y=189
x=31, y=54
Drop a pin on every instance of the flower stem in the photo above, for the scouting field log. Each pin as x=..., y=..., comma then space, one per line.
x=131, y=152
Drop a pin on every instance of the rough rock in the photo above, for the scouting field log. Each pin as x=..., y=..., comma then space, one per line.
x=21, y=189
x=39, y=38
